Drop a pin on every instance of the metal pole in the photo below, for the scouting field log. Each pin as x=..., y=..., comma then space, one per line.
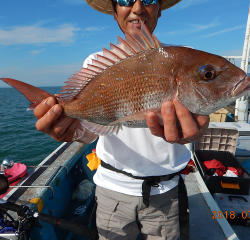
x=245, y=53
x=244, y=65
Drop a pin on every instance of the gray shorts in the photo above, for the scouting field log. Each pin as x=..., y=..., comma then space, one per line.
x=121, y=216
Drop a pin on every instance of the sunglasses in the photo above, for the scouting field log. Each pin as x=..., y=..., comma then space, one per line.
x=129, y=3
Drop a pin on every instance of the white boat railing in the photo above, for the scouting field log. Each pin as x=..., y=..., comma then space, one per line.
x=241, y=105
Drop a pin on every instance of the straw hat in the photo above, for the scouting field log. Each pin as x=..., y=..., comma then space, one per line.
x=105, y=6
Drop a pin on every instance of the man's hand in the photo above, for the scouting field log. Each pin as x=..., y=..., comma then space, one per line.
x=190, y=128
x=52, y=122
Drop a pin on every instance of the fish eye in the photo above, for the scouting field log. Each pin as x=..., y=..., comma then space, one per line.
x=207, y=73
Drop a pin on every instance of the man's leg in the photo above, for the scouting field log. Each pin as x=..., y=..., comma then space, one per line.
x=116, y=215
x=161, y=219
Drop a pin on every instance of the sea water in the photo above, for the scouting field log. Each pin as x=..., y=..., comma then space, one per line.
x=19, y=139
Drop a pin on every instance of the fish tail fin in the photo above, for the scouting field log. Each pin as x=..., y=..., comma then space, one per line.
x=33, y=94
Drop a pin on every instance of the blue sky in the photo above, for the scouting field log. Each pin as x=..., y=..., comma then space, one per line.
x=43, y=42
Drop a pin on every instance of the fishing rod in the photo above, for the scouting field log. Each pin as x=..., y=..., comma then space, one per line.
x=31, y=217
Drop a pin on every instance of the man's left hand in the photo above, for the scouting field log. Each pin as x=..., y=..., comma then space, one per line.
x=180, y=125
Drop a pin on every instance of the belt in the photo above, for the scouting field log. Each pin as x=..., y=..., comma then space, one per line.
x=152, y=181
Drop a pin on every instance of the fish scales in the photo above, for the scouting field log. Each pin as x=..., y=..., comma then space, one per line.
x=122, y=90
x=118, y=90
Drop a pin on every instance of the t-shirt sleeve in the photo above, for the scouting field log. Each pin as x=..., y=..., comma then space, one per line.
x=88, y=60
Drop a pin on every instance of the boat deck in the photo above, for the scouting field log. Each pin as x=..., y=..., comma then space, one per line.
x=201, y=203
x=201, y=207
x=202, y=225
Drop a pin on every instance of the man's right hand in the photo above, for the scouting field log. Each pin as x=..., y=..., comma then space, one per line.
x=52, y=122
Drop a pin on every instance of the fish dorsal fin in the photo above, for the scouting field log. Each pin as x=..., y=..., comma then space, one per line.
x=122, y=44
x=153, y=41
x=100, y=64
x=118, y=51
x=137, y=34
x=134, y=43
x=105, y=60
x=157, y=42
x=139, y=41
x=110, y=55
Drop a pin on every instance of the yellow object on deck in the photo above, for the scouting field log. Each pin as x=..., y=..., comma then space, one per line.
x=38, y=202
x=94, y=161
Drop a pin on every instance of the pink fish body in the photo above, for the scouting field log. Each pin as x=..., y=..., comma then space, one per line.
x=137, y=76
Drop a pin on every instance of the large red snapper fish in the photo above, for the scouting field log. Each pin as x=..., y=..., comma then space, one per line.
x=136, y=76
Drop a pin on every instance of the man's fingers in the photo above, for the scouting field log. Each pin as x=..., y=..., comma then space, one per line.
x=65, y=128
x=169, y=122
x=188, y=124
x=153, y=124
x=179, y=124
x=44, y=107
x=201, y=120
x=52, y=122
x=65, y=124
x=46, y=121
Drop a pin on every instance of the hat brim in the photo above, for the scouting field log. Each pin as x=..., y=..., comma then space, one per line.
x=105, y=6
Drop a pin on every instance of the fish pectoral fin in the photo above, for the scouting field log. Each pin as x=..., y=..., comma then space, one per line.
x=100, y=129
x=136, y=116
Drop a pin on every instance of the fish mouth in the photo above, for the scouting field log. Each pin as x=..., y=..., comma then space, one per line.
x=242, y=86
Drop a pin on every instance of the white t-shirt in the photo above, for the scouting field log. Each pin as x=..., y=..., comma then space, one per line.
x=137, y=151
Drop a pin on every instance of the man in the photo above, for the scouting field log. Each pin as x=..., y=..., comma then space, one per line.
x=133, y=155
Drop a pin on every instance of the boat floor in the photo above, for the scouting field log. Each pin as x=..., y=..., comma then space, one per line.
x=201, y=203
x=201, y=206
